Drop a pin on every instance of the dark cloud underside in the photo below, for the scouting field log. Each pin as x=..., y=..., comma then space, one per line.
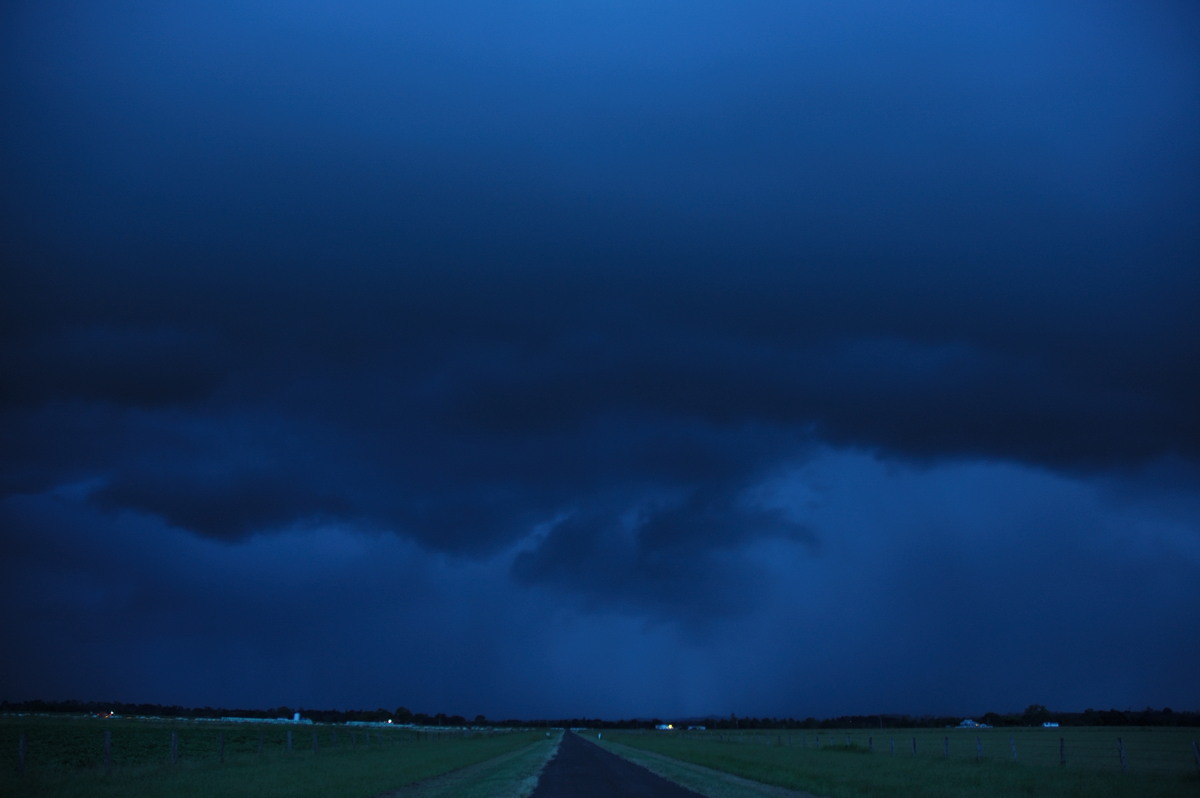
x=551, y=291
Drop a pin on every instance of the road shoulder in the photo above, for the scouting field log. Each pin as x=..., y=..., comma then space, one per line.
x=706, y=781
x=511, y=775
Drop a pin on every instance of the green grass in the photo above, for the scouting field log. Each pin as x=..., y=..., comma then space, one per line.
x=65, y=757
x=512, y=775
x=1160, y=761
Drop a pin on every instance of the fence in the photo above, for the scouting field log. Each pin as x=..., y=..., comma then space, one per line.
x=79, y=743
x=1141, y=749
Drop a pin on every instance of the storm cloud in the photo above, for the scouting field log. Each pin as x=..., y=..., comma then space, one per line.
x=592, y=330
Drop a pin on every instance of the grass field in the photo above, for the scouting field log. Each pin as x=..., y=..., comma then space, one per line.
x=66, y=757
x=947, y=762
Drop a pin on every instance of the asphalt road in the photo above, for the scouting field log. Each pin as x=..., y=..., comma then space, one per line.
x=582, y=769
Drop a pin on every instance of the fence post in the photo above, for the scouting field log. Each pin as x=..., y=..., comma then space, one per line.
x=174, y=747
x=1062, y=750
x=107, y=750
x=1121, y=754
x=914, y=741
x=21, y=754
x=893, y=745
x=847, y=740
x=1012, y=743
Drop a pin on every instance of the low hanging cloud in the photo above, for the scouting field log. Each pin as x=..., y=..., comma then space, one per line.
x=676, y=560
x=225, y=507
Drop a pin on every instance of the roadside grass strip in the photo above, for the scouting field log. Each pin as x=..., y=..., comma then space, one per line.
x=66, y=757
x=511, y=775
x=706, y=781
x=840, y=770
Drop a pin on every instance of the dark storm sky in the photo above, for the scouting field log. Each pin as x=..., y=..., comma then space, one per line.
x=601, y=358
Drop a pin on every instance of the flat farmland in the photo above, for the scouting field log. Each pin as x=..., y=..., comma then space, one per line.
x=940, y=763
x=65, y=756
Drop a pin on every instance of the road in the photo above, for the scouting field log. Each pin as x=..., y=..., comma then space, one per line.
x=582, y=769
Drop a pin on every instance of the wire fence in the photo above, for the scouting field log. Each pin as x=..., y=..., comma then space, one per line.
x=1141, y=749
x=82, y=744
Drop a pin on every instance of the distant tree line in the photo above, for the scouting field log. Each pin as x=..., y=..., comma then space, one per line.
x=1033, y=715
